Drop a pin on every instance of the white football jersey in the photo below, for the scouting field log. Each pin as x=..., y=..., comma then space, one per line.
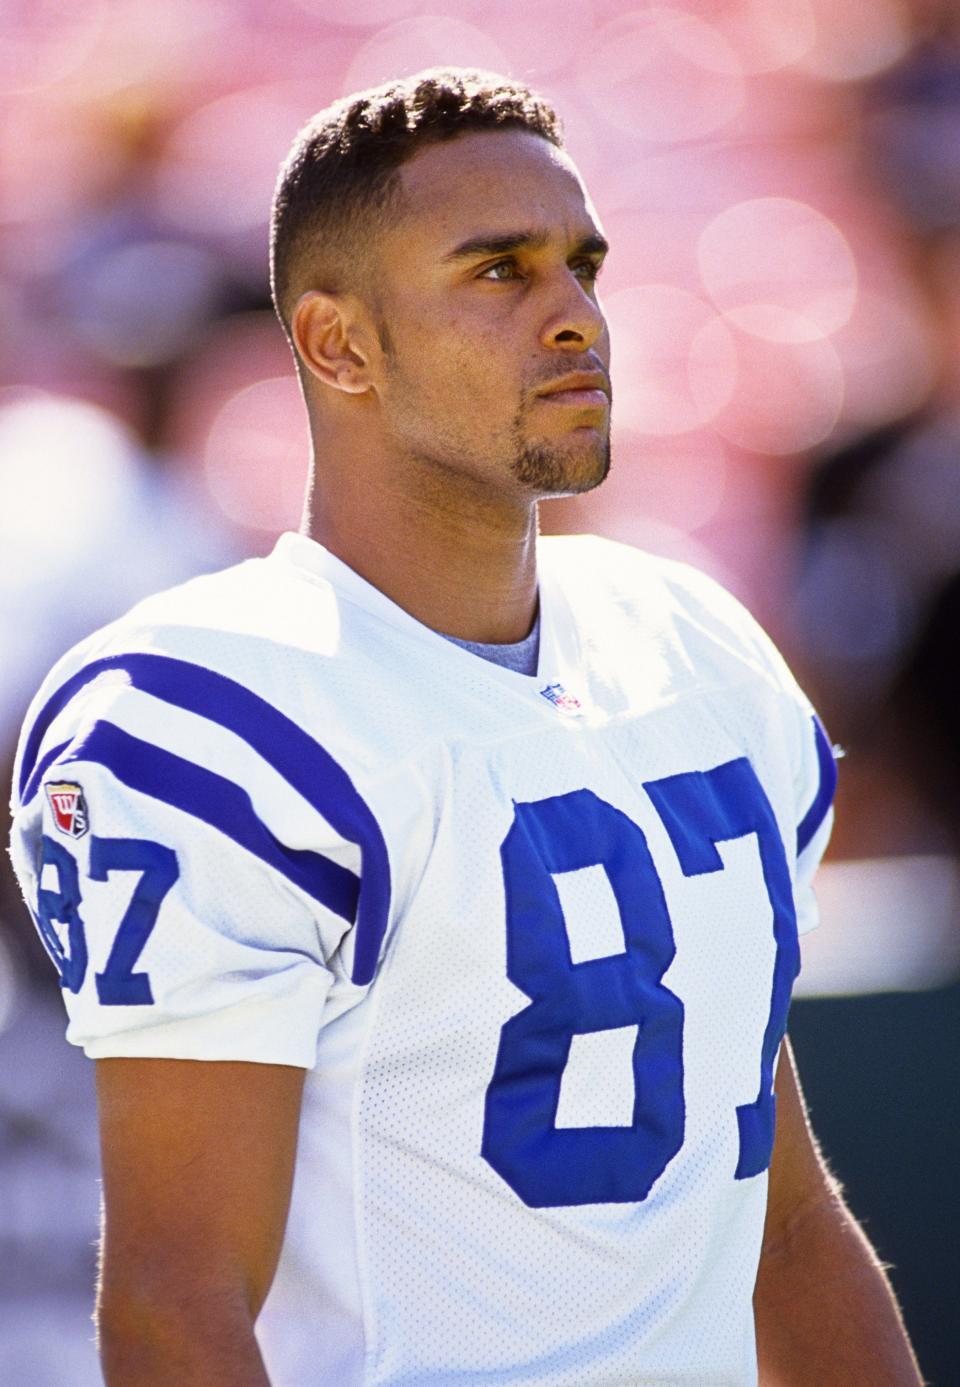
x=533, y=937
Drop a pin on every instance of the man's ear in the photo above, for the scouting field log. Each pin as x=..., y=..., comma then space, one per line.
x=330, y=341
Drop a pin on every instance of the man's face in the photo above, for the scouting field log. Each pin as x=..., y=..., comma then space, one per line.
x=487, y=294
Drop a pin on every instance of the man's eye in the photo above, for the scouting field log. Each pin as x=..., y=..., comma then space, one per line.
x=502, y=270
x=587, y=270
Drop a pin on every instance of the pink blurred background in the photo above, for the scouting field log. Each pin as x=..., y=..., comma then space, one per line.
x=780, y=182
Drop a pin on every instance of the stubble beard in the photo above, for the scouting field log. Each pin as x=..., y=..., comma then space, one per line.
x=550, y=471
x=540, y=469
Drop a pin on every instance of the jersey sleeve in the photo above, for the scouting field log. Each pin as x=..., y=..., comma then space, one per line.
x=812, y=757
x=194, y=902
x=814, y=762
x=814, y=778
x=816, y=782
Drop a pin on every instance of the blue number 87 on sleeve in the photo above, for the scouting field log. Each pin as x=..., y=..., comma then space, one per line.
x=119, y=984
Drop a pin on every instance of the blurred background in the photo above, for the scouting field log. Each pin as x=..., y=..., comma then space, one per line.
x=780, y=181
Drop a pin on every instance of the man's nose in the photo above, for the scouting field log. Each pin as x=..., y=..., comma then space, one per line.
x=576, y=321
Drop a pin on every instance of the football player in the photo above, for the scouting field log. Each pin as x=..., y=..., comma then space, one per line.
x=428, y=894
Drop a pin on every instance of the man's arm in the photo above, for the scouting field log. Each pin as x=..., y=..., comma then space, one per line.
x=826, y=1315
x=198, y=1162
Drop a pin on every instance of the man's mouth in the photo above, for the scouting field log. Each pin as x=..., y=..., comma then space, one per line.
x=578, y=389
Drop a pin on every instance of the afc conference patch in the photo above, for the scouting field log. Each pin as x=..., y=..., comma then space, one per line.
x=69, y=808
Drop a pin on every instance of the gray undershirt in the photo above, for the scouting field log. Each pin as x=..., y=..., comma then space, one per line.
x=521, y=657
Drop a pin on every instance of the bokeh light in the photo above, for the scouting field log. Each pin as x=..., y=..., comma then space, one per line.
x=243, y=350
x=674, y=364
x=65, y=474
x=765, y=36
x=161, y=47
x=662, y=75
x=220, y=162
x=363, y=13
x=889, y=356
x=256, y=456
x=43, y=41
x=651, y=245
x=677, y=480
x=792, y=396
x=426, y=41
x=52, y=163
x=779, y=269
x=539, y=41
x=855, y=40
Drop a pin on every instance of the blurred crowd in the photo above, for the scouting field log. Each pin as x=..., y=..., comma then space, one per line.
x=780, y=182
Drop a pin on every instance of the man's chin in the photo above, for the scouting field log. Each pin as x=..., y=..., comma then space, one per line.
x=549, y=470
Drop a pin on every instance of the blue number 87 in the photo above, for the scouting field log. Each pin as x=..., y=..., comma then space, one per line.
x=548, y=1166
x=118, y=984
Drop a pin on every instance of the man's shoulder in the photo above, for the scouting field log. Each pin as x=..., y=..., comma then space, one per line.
x=226, y=619
x=257, y=599
x=226, y=646
x=666, y=599
x=614, y=560
x=610, y=568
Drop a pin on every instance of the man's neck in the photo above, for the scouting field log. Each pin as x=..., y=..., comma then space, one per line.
x=462, y=563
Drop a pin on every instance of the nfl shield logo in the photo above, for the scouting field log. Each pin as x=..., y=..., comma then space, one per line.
x=69, y=808
x=562, y=699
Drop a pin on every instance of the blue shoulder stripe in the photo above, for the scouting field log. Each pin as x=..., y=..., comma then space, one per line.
x=823, y=799
x=218, y=802
x=43, y=765
x=284, y=745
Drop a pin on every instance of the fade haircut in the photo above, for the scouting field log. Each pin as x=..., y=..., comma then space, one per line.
x=339, y=185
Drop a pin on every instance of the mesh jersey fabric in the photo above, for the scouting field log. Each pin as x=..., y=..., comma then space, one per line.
x=533, y=937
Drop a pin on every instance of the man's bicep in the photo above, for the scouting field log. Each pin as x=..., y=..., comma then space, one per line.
x=798, y=1177
x=198, y=1160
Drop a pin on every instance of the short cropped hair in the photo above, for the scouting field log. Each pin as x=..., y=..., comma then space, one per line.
x=339, y=184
